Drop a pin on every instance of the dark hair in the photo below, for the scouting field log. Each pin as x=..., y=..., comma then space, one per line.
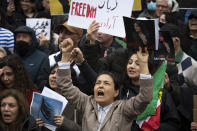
x=23, y=109
x=171, y=18
x=22, y=80
x=114, y=78
x=51, y=69
x=151, y=65
x=186, y=44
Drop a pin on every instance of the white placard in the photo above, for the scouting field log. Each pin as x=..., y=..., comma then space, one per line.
x=40, y=25
x=45, y=108
x=107, y=12
x=52, y=94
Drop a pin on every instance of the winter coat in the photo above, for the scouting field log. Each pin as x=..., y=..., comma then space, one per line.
x=183, y=97
x=169, y=117
x=34, y=60
x=120, y=115
x=187, y=69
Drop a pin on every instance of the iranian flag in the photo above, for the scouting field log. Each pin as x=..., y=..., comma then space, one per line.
x=150, y=118
x=151, y=122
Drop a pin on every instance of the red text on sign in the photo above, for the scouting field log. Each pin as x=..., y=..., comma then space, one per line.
x=83, y=9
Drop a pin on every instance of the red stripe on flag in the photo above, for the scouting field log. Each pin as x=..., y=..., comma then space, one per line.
x=153, y=122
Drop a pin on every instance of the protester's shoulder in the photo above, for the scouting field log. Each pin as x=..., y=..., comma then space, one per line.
x=146, y=14
x=40, y=55
x=188, y=59
x=6, y=31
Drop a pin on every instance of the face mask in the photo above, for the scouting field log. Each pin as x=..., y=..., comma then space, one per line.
x=151, y=6
x=22, y=48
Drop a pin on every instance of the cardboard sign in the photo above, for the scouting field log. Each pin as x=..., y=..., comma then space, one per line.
x=107, y=12
x=59, y=6
x=40, y=26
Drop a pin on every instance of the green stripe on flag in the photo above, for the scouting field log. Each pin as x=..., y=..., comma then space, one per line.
x=158, y=82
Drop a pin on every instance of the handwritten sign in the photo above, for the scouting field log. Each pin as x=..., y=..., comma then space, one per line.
x=40, y=26
x=107, y=12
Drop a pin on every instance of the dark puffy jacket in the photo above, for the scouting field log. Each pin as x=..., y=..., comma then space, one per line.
x=34, y=60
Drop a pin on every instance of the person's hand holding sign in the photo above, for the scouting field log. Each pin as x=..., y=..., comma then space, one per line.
x=92, y=32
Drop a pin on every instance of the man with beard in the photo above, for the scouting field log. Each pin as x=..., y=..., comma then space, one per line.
x=25, y=49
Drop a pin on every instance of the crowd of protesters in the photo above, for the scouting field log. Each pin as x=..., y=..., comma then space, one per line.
x=107, y=81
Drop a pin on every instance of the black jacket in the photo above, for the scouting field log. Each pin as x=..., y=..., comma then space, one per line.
x=183, y=97
x=29, y=124
x=93, y=52
x=85, y=79
x=34, y=59
x=169, y=118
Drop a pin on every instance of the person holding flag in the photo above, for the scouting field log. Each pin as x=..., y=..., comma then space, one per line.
x=161, y=113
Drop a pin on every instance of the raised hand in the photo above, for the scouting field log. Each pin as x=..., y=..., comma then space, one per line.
x=43, y=41
x=66, y=47
x=92, y=32
x=77, y=56
x=143, y=60
x=58, y=119
x=193, y=126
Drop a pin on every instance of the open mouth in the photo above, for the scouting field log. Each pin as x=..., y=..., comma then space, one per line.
x=100, y=93
x=193, y=25
x=53, y=81
x=131, y=71
x=6, y=116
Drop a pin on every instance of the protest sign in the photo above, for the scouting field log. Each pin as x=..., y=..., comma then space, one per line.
x=40, y=26
x=45, y=108
x=144, y=33
x=107, y=12
x=52, y=94
x=141, y=32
